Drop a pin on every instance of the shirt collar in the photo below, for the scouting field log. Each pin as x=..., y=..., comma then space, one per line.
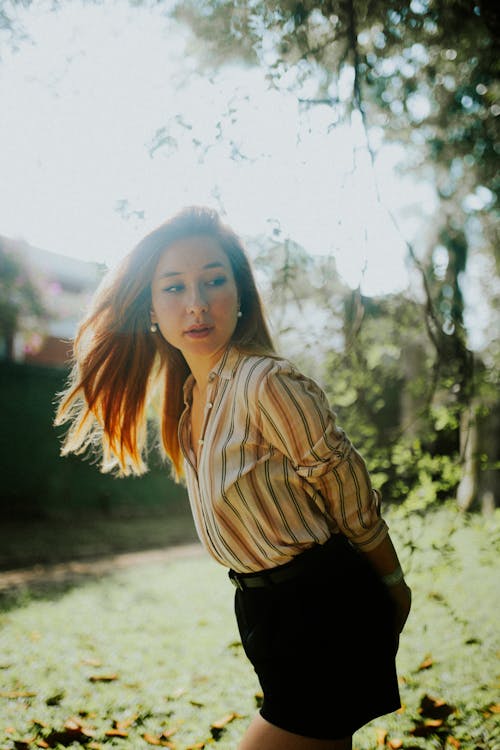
x=223, y=369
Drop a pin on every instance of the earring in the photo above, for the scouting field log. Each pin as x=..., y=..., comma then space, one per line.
x=239, y=314
x=154, y=328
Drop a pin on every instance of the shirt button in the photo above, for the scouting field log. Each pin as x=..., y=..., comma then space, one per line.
x=211, y=377
x=209, y=405
x=200, y=441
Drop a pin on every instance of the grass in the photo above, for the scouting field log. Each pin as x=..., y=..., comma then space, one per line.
x=52, y=540
x=155, y=650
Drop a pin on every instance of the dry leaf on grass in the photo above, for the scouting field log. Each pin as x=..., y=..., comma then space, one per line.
x=435, y=708
x=395, y=744
x=427, y=663
x=103, y=677
x=116, y=733
x=17, y=694
x=381, y=736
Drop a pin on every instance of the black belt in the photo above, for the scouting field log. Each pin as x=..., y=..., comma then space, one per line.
x=288, y=571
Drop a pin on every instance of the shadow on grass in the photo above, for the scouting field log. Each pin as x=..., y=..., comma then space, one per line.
x=44, y=559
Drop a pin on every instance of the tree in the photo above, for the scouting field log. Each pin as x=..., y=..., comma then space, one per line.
x=20, y=299
x=424, y=74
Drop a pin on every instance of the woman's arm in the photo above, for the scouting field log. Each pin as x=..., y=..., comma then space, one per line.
x=385, y=561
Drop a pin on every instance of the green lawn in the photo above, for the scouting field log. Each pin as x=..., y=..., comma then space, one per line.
x=154, y=651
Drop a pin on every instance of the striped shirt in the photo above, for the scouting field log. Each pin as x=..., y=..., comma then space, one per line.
x=275, y=474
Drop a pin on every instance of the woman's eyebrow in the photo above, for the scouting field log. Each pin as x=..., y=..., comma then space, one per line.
x=215, y=264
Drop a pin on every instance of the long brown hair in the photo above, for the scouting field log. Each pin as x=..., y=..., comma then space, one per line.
x=124, y=377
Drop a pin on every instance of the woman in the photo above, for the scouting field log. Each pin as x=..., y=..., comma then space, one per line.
x=278, y=493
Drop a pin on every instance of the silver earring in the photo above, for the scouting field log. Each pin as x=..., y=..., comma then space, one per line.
x=239, y=314
x=154, y=328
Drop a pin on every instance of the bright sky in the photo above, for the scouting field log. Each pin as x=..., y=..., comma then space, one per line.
x=83, y=108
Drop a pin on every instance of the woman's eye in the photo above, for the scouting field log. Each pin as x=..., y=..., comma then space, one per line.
x=218, y=281
x=173, y=288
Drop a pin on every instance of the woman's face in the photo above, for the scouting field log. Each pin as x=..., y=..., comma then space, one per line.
x=195, y=299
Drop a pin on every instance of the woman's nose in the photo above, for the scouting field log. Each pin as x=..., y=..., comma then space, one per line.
x=197, y=301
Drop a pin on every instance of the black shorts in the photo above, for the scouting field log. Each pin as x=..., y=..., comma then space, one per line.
x=323, y=644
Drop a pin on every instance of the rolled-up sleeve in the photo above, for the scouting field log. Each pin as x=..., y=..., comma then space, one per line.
x=297, y=420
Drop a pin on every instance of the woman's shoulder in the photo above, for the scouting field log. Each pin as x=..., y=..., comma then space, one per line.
x=264, y=371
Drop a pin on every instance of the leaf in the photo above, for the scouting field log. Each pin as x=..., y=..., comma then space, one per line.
x=42, y=743
x=125, y=723
x=73, y=731
x=168, y=733
x=381, y=735
x=218, y=726
x=116, y=733
x=103, y=677
x=435, y=708
x=151, y=739
x=429, y=726
x=395, y=744
x=17, y=694
x=55, y=699
x=427, y=663
x=494, y=708
x=453, y=741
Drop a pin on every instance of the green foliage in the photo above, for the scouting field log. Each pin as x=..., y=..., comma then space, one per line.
x=20, y=300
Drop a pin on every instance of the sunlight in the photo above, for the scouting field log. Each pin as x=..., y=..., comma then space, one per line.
x=106, y=119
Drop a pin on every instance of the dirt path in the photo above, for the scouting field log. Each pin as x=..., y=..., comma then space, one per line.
x=75, y=569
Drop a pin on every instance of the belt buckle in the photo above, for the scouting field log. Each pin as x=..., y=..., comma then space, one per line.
x=235, y=580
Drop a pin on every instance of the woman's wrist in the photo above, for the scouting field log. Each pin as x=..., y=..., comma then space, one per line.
x=393, y=578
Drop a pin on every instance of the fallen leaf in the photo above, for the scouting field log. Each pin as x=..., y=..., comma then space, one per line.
x=73, y=732
x=10, y=730
x=94, y=746
x=103, y=677
x=218, y=726
x=381, y=736
x=429, y=726
x=197, y=746
x=453, y=741
x=221, y=723
x=125, y=723
x=169, y=733
x=116, y=733
x=42, y=743
x=73, y=724
x=395, y=744
x=435, y=708
x=55, y=699
x=151, y=739
x=427, y=663
x=17, y=694
x=494, y=708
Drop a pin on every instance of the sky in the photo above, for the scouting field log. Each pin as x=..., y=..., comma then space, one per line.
x=107, y=129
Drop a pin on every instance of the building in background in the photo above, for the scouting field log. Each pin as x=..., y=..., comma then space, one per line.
x=42, y=297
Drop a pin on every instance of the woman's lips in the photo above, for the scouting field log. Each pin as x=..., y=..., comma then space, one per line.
x=198, y=332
